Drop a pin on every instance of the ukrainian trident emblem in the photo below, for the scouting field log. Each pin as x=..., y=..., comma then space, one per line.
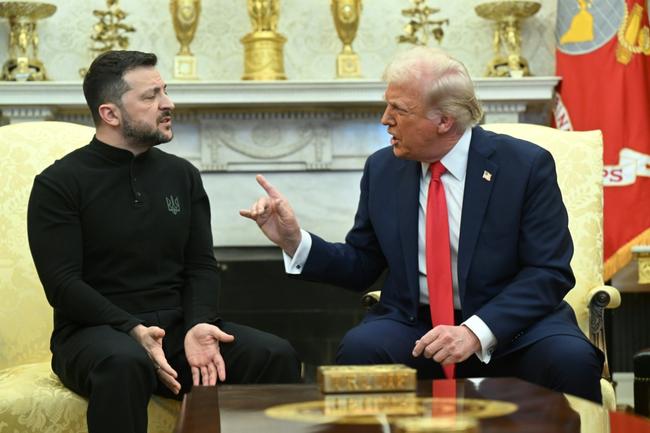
x=173, y=205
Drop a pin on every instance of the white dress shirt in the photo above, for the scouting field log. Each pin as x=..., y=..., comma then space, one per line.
x=453, y=180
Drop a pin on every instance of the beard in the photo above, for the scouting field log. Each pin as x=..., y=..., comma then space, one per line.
x=141, y=134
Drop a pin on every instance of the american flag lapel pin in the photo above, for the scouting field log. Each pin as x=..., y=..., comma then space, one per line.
x=487, y=175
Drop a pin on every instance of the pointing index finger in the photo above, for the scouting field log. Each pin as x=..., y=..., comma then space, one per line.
x=270, y=189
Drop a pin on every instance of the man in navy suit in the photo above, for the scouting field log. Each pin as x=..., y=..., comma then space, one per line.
x=509, y=242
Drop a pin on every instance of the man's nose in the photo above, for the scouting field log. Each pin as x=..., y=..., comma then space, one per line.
x=387, y=118
x=167, y=103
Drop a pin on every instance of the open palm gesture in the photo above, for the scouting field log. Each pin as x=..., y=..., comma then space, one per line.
x=203, y=354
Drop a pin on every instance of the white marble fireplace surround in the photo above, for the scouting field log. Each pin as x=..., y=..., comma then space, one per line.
x=309, y=138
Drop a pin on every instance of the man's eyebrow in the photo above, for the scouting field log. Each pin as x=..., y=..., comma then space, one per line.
x=157, y=89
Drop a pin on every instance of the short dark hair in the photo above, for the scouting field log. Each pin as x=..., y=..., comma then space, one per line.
x=104, y=81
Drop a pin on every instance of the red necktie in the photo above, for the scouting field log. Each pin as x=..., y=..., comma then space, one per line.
x=438, y=256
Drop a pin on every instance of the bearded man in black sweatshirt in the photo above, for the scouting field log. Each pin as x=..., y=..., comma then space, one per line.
x=120, y=235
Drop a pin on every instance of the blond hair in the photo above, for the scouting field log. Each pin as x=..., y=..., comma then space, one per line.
x=446, y=84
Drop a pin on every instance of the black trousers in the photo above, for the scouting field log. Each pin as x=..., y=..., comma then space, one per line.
x=560, y=362
x=114, y=372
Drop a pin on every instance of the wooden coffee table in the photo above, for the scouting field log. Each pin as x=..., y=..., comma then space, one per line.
x=241, y=409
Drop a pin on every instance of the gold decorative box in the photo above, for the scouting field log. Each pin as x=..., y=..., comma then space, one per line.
x=386, y=403
x=366, y=378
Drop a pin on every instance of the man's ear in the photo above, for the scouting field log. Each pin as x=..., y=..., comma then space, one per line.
x=110, y=114
x=445, y=123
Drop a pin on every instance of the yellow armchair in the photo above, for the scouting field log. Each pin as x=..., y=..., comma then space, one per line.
x=579, y=160
x=32, y=399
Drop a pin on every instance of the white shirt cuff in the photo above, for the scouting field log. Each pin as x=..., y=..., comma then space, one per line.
x=293, y=265
x=485, y=337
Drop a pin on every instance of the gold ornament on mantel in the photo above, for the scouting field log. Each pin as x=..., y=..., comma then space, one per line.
x=109, y=33
x=506, y=42
x=263, y=47
x=346, y=15
x=419, y=27
x=23, y=63
x=185, y=15
x=642, y=254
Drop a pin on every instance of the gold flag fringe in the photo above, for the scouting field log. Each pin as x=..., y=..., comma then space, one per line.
x=623, y=256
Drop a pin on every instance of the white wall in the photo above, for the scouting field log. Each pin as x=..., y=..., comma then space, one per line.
x=312, y=42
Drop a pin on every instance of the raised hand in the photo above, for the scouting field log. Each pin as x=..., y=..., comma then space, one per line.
x=203, y=354
x=151, y=339
x=275, y=217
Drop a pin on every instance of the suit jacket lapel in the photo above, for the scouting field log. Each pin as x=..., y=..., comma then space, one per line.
x=480, y=177
x=407, y=200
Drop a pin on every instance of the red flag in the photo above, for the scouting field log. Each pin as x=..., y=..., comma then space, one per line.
x=603, y=57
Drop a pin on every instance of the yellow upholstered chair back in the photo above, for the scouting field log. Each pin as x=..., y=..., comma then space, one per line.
x=25, y=316
x=579, y=164
x=32, y=399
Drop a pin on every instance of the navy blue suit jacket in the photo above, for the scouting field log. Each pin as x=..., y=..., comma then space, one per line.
x=514, y=248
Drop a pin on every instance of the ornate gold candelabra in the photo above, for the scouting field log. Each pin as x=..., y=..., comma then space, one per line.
x=419, y=27
x=23, y=63
x=185, y=15
x=347, y=14
x=110, y=32
x=263, y=47
x=506, y=42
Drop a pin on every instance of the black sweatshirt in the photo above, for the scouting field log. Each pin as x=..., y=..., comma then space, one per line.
x=113, y=235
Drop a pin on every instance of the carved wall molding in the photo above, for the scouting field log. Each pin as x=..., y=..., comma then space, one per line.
x=238, y=97
x=27, y=114
x=289, y=140
x=504, y=107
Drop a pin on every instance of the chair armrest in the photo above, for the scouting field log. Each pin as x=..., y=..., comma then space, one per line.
x=600, y=298
x=606, y=296
x=371, y=298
